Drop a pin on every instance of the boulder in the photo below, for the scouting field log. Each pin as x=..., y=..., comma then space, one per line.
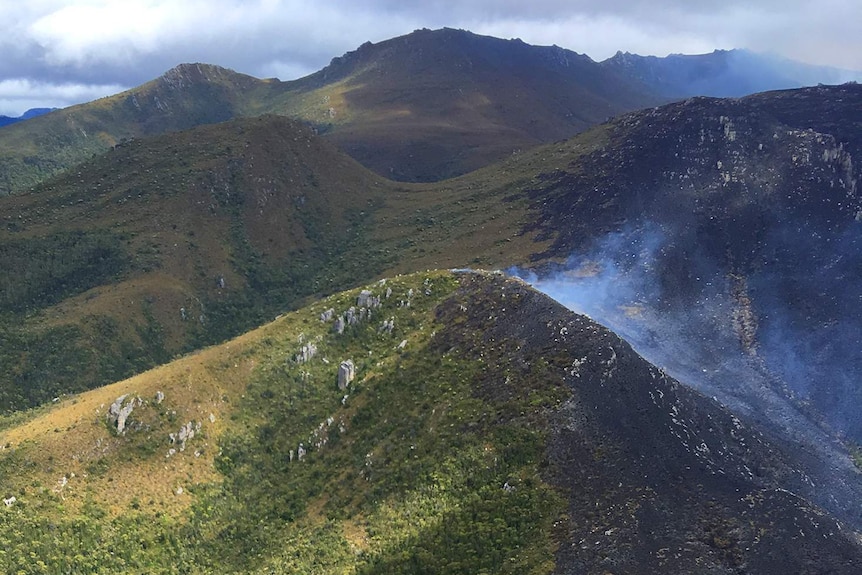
x=346, y=374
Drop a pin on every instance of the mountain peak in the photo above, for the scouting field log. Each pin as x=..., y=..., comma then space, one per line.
x=187, y=74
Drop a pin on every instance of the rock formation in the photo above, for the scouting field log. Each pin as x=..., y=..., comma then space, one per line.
x=120, y=410
x=346, y=374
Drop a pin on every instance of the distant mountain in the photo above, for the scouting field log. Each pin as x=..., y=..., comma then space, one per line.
x=441, y=422
x=31, y=113
x=425, y=106
x=439, y=103
x=186, y=96
x=723, y=73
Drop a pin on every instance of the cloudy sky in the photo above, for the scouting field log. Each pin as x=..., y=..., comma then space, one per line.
x=60, y=52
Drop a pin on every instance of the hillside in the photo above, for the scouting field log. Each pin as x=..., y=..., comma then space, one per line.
x=711, y=189
x=439, y=103
x=486, y=429
x=166, y=244
x=738, y=219
x=186, y=96
x=425, y=106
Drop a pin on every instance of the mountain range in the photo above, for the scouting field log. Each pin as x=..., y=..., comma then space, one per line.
x=31, y=113
x=421, y=107
x=718, y=237
x=723, y=73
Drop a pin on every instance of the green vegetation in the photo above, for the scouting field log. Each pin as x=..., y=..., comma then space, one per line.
x=40, y=272
x=195, y=237
x=411, y=472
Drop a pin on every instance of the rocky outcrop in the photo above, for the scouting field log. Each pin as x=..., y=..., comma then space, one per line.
x=185, y=434
x=120, y=410
x=306, y=352
x=346, y=374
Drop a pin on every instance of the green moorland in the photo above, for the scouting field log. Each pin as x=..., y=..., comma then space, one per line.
x=408, y=470
x=170, y=243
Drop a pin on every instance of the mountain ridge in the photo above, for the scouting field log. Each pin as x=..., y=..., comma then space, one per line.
x=427, y=102
x=503, y=418
x=723, y=73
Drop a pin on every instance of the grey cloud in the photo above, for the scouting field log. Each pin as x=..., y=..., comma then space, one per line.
x=94, y=43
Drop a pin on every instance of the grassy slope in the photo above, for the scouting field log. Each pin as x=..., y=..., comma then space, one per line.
x=186, y=96
x=404, y=475
x=230, y=223
x=102, y=261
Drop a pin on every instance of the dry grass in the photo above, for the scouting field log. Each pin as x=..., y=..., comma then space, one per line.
x=72, y=436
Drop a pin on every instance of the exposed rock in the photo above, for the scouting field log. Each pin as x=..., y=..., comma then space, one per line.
x=120, y=411
x=387, y=326
x=327, y=315
x=114, y=410
x=185, y=434
x=346, y=374
x=339, y=325
x=368, y=300
x=10, y=501
x=306, y=353
x=300, y=452
x=364, y=298
x=350, y=316
x=160, y=397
